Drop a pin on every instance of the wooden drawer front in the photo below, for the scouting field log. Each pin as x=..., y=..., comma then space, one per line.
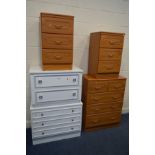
x=56, y=25
x=111, y=41
x=56, y=131
x=51, y=122
x=97, y=86
x=53, y=56
x=57, y=41
x=56, y=81
x=117, y=85
x=102, y=119
x=58, y=95
x=105, y=98
x=102, y=108
x=110, y=54
x=46, y=114
x=109, y=66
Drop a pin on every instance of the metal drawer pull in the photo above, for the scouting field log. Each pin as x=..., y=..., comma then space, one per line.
x=72, y=110
x=110, y=55
x=40, y=97
x=74, y=80
x=58, y=26
x=74, y=94
x=98, y=88
x=72, y=128
x=42, y=114
x=40, y=81
x=42, y=133
x=72, y=120
x=114, y=42
x=42, y=124
x=58, y=42
x=58, y=57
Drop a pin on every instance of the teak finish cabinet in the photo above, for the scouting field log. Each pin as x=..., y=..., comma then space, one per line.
x=57, y=41
x=105, y=52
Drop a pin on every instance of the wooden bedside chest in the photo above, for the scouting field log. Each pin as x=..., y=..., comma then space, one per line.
x=57, y=41
x=105, y=52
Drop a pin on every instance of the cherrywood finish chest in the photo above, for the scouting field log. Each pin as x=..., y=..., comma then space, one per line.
x=105, y=52
x=57, y=41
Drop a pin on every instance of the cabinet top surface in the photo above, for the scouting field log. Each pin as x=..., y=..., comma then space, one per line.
x=89, y=77
x=38, y=70
x=109, y=33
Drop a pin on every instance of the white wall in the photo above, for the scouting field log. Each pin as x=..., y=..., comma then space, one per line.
x=90, y=16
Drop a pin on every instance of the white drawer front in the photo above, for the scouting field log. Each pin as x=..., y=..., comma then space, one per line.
x=56, y=131
x=57, y=112
x=57, y=95
x=54, y=81
x=55, y=122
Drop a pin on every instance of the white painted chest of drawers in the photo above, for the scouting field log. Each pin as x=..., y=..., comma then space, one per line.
x=56, y=107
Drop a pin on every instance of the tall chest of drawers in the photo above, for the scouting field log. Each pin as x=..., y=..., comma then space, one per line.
x=57, y=41
x=56, y=107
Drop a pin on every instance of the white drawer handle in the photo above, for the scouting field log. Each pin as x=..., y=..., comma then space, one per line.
x=40, y=81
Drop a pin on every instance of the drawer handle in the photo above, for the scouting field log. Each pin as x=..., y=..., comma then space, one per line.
x=42, y=133
x=58, y=57
x=113, y=107
x=112, y=118
x=98, y=88
x=72, y=120
x=42, y=124
x=72, y=110
x=96, y=109
x=115, y=97
x=117, y=87
x=40, y=81
x=95, y=121
x=40, y=97
x=58, y=26
x=74, y=80
x=96, y=99
x=58, y=42
x=114, y=42
x=42, y=114
x=74, y=94
x=110, y=55
x=110, y=67
x=72, y=128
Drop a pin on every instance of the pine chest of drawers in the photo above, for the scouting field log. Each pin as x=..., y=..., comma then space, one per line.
x=57, y=41
x=105, y=52
x=56, y=107
x=102, y=101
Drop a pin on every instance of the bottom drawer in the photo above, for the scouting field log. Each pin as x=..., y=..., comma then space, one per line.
x=56, y=131
x=102, y=119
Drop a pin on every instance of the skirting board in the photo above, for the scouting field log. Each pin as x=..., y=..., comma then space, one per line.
x=59, y=137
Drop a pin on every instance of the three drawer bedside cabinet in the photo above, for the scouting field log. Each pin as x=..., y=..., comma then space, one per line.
x=56, y=107
x=57, y=41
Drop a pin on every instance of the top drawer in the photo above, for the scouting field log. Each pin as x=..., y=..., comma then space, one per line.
x=55, y=81
x=53, y=23
x=112, y=41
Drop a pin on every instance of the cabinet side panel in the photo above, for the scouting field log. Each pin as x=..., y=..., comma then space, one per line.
x=93, y=53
